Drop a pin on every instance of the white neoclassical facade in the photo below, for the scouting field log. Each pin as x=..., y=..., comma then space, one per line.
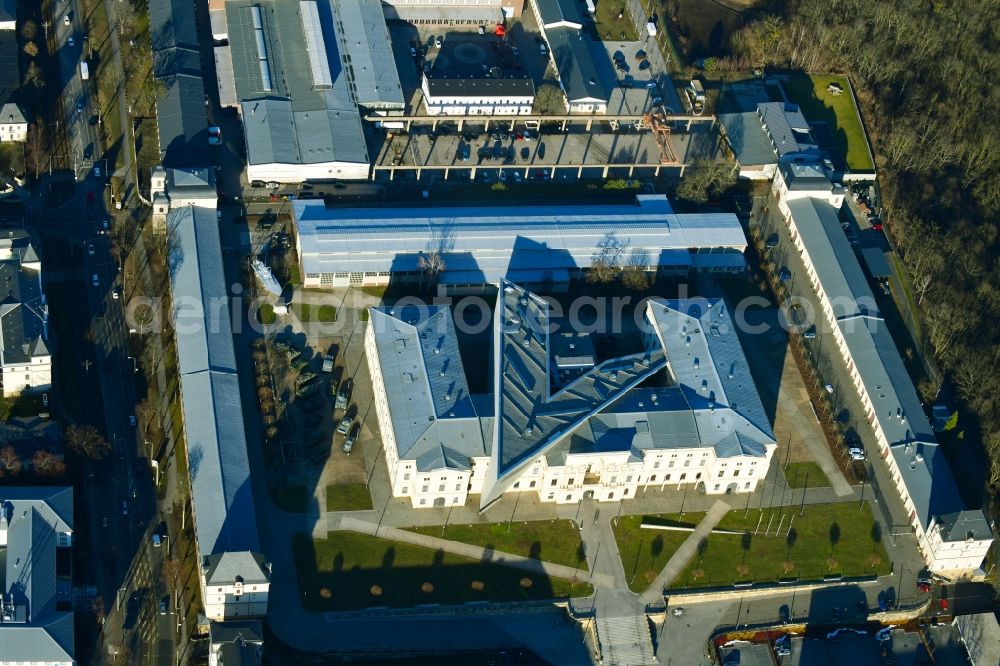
x=592, y=433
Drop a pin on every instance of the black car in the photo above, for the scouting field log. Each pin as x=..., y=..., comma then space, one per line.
x=541, y=151
x=525, y=153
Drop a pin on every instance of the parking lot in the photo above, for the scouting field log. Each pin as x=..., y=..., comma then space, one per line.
x=575, y=153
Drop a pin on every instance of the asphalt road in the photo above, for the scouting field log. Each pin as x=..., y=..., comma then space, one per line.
x=118, y=494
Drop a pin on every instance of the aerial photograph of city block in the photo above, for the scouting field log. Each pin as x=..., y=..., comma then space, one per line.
x=493, y=332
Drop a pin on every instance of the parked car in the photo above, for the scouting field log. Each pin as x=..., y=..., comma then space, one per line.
x=857, y=454
x=785, y=274
x=90, y=249
x=214, y=140
x=345, y=425
x=343, y=394
x=525, y=153
x=157, y=541
x=810, y=334
x=772, y=241
x=95, y=280
x=348, y=444
x=164, y=605
x=437, y=42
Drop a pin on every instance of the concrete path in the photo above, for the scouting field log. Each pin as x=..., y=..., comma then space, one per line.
x=473, y=552
x=687, y=550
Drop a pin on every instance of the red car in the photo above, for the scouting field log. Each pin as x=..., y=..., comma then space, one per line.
x=877, y=226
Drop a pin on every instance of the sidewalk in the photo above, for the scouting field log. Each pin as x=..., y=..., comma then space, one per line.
x=686, y=551
x=477, y=553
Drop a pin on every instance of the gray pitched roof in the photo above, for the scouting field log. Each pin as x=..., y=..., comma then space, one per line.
x=714, y=403
x=182, y=123
x=554, y=12
x=706, y=360
x=226, y=567
x=786, y=128
x=288, y=118
x=172, y=23
x=833, y=259
x=747, y=138
x=573, y=52
x=224, y=513
x=36, y=632
x=477, y=88
x=531, y=418
x=364, y=39
x=229, y=631
x=433, y=417
x=23, y=312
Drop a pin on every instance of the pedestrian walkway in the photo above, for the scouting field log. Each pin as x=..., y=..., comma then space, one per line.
x=486, y=555
x=687, y=550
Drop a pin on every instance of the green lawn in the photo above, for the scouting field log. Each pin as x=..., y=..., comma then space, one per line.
x=645, y=552
x=838, y=112
x=315, y=312
x=348, y=497
x=827, y=539
x=609, y=26
x=556, y=541
x=349, y=571
x=799, y=474
x=265, y=314
x=294, y=499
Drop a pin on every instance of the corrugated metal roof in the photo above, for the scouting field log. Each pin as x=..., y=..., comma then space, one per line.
x=364, y=39
x=224, y=75
x=290, y=121
x=213, y=416
x=494, y=242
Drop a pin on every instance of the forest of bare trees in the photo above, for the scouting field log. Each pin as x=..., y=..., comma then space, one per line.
x=927, y=78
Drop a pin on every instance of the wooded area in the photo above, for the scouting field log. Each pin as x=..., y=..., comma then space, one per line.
x=927, y=79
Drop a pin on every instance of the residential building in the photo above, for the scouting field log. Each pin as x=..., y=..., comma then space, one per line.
x=235, y=643
x=477, y=96
x=487, y=13
x=234, y=575
x=538, y=245
x=297, y=99
x=25, y=358
x=36, y=612
x=952, y=539
x=13, y=124
x=568, y=428
x=572, y=50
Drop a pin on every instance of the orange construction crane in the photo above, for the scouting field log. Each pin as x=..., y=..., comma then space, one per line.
x=657, y=122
